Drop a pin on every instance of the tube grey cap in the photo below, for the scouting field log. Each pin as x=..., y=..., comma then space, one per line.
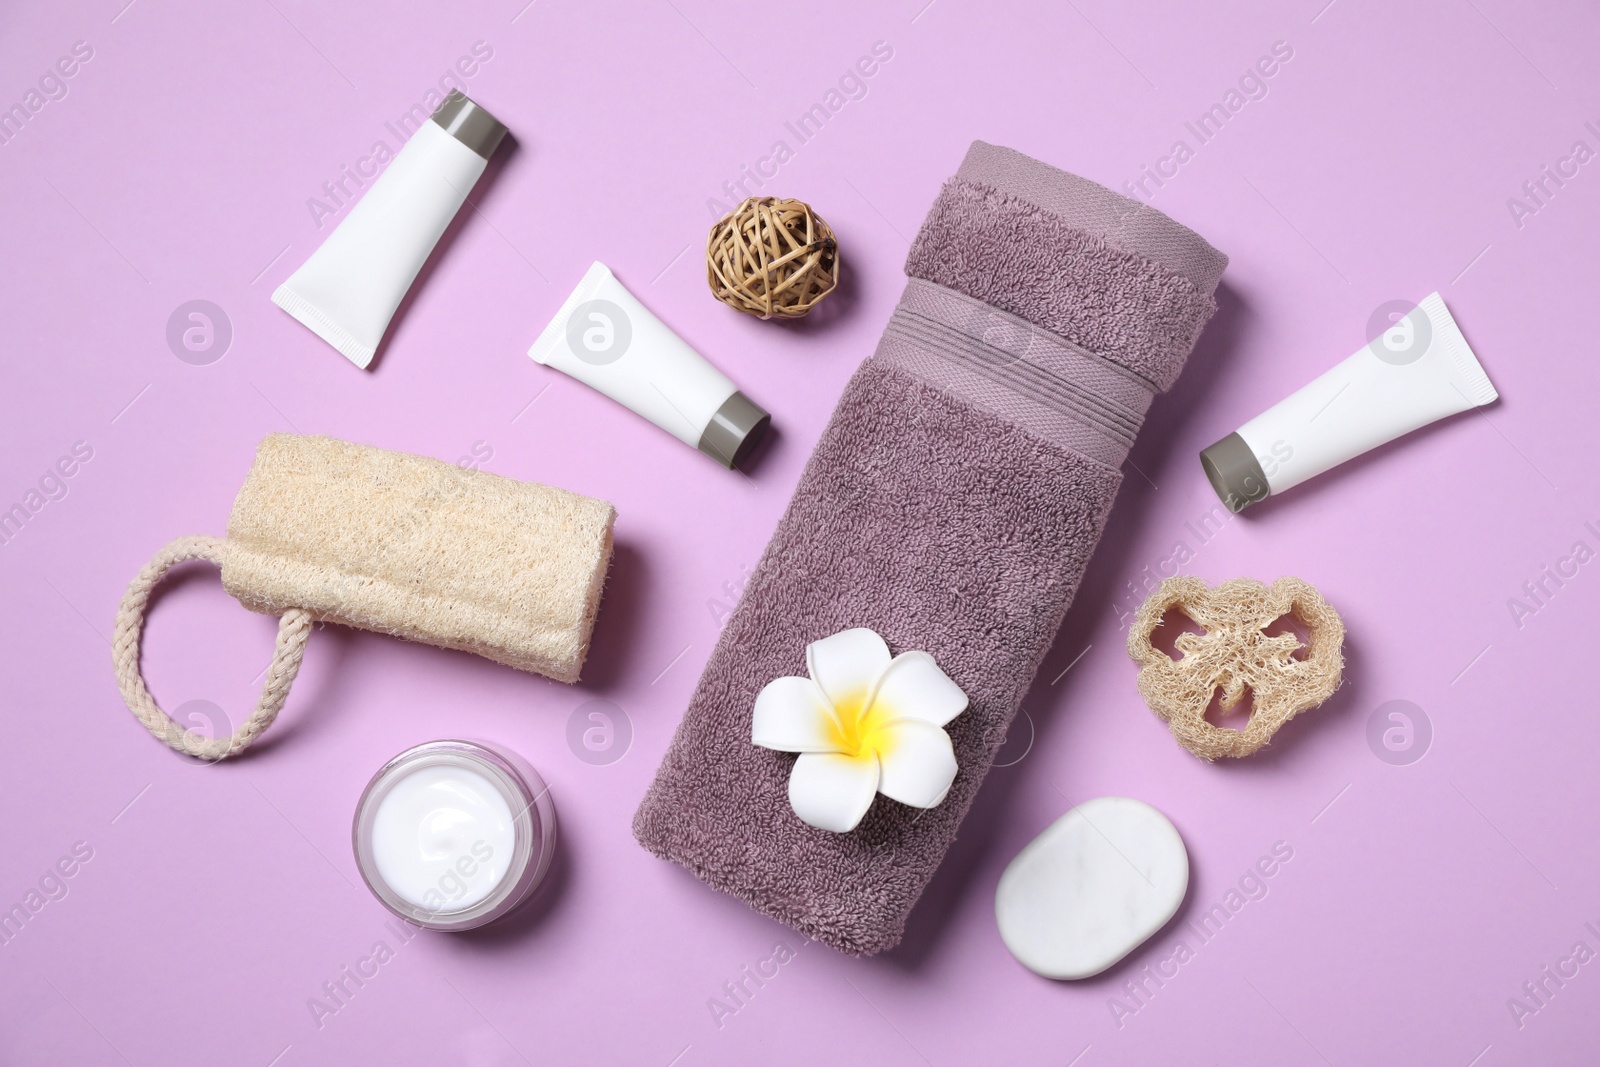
x=470, y=124
x=734, y=430
x=1235, y=473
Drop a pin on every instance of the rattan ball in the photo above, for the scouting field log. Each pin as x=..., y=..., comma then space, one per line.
x=772, y=258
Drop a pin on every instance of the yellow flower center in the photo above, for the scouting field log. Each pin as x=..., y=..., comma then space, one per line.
x=860, y=731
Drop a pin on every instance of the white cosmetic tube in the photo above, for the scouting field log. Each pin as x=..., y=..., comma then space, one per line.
x=606, y=339
x=348, y=290
x=1418, y=370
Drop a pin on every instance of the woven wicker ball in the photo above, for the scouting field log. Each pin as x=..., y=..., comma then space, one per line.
x=772, y=258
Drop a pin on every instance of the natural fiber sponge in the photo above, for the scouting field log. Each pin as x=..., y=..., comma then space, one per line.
x=420, y=549
x=1236, y=654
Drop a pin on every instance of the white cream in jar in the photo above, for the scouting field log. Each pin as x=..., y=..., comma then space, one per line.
x=451, y=835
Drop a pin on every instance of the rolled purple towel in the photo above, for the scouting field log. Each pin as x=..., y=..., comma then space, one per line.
x=952, y=504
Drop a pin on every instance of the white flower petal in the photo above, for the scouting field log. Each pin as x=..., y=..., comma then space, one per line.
x=913, y=687
x=919, y=763
x=846, y=665
x=832, y=792
x=792, y=715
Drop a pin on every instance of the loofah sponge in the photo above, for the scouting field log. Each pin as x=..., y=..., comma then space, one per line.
x=328, y=531
x=421, y=549
x=1235, y=654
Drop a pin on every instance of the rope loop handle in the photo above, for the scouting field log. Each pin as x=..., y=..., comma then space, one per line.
x=293, y=629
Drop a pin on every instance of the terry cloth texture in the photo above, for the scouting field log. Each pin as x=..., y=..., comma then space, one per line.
x=420, y=549
x=952, y=505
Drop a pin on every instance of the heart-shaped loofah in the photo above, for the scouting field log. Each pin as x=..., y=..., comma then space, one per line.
x=1234, y=654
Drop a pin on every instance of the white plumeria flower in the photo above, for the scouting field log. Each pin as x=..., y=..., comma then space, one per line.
x=863, y=724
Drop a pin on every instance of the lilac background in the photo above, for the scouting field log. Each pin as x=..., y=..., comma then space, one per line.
x=220, y=899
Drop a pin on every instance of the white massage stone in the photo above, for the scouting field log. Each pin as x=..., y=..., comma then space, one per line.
x=1091, y=888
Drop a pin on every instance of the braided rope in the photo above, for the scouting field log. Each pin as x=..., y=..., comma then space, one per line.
x=293, y=629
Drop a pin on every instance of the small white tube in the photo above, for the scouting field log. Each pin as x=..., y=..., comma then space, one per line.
x=606, y=339
x=1418, y=370
x=348, y=290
